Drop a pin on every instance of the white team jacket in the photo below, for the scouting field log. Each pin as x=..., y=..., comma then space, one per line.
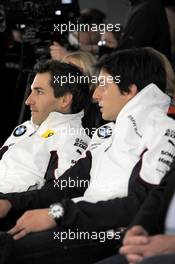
x=28, y=152
x=142, y=129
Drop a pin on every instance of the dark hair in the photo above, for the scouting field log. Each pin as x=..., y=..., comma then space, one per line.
x=134, y=66
x=79, y=90
x=91, y=16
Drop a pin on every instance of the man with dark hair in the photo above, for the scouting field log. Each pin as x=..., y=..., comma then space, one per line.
x=54, y=133
x=63, y=78
x=154, y=29
x=124, y=161
x=125, y=65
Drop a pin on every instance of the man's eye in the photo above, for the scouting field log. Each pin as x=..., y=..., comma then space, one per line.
x=39, y=92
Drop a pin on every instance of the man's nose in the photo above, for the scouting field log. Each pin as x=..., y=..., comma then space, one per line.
x=97, y=95
x=29, y=100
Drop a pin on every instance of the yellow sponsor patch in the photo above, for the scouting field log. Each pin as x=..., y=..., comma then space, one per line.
x=48, y=133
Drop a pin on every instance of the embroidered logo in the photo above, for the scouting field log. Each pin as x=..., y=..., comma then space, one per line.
x=48, y=133
x=104, y=132
x=19, y=131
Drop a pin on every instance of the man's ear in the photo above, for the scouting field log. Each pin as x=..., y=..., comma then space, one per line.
x=66, y=102
x=132, y=91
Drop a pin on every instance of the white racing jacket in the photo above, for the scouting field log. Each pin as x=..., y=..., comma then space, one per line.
x=113, y=178
x=31, y=152
x=142, y=129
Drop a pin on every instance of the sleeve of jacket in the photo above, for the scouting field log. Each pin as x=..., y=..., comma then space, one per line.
x=64, y=155
x=70, y=151
x=153, y=212
x=160, y=142
x=53, y=192
x=105, y=215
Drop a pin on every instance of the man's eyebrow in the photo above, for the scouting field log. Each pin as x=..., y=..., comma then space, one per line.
x=37, y=88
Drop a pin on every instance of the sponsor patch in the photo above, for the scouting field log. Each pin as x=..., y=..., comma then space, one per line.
x=19, y=131
x=80, y=143
x=104, y=132
x=48, y=133
x=170, y=133
x=134, y=125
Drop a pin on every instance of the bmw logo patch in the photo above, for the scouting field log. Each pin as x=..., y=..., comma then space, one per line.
x=104, y=132
x=19, y=131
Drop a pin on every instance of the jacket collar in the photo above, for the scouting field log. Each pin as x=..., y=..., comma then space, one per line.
x=56, y=119
x=148, y=98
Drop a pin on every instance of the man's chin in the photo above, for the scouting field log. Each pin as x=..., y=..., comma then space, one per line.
x=104, y=117
x=107, y=118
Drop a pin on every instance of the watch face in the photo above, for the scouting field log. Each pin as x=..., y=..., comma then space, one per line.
x=57, y=210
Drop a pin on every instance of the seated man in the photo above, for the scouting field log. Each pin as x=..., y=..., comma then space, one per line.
x=54, y=137
x=153, y=230
x=156, y=235
x=118, y=169
x=154, y=31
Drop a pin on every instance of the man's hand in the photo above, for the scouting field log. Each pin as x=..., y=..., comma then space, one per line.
x=136, y=247
x=5, y=207
x=32, y=221
x=135, y=237
x=57, y=52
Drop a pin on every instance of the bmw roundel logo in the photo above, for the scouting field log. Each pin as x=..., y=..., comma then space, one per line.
x=19, y=131
x=104, y=132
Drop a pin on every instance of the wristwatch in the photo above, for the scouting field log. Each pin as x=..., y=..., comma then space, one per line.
x=56, y=211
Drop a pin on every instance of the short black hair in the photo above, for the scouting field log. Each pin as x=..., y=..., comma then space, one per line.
x=79, y=90
x=136, y=66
